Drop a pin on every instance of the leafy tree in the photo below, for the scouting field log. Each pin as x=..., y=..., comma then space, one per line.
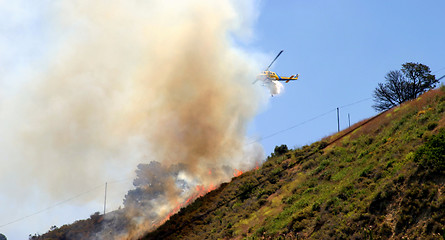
x=153, y=181
x=2, y=237
x=150, y=184
x=403, y=85
x=280, y=150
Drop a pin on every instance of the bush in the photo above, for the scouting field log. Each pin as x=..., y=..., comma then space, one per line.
x=280, y=150
x=432, y=126
x=323, y=145
x=432, y=154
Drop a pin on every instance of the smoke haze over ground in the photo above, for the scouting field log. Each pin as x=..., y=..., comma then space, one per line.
x=106, y=85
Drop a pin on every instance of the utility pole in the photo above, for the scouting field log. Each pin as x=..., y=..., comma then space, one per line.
x=349, y=119
x=338, y=119
x=105, y=200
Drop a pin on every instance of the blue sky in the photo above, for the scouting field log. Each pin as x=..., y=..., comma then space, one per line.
x=341, y=49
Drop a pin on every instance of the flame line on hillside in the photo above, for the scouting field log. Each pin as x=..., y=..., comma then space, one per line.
x=223, y=203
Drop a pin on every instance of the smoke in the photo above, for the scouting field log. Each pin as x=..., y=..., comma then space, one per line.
x=116, y=83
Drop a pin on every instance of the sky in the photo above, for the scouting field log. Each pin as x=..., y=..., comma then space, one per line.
x=341, y=49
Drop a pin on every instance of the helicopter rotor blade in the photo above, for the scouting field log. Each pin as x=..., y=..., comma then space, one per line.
x=267, y=69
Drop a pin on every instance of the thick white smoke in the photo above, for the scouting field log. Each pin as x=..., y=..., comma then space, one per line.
x=115, y=83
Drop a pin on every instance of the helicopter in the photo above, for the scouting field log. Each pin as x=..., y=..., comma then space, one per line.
x=267, y=76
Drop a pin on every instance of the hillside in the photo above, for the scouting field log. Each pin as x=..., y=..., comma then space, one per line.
x=382, y=178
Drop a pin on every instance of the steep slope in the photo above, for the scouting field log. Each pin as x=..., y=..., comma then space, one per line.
x=381, y=179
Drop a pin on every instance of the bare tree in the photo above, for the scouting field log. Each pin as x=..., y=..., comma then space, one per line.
x=403, y=85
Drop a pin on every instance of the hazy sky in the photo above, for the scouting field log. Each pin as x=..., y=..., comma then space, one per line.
x=341, y=49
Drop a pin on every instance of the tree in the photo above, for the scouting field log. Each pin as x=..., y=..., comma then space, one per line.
x=150, y=183
x=153, y=182
x=403, y=85
x=280, y=150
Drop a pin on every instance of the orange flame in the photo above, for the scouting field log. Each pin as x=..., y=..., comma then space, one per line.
x=237, y=173
x=257, y=166
x=200, y=191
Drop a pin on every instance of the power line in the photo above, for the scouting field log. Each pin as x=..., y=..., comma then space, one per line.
x=359, y=101
x=292, y=127
x=439, y=70
x=62, y=202
x=52, y=206
x=307, y=121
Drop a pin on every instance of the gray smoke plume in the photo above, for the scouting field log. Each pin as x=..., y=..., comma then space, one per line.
x=122, y=82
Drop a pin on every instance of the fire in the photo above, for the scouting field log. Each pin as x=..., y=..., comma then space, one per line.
x=237, y=173
x=200, y=190
x=257, y=167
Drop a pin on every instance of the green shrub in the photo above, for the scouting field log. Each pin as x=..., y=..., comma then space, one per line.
x=316, y=206
x=346, y=192
x=366, y=172
x=323, y=145
x=276, y=171
x=431, y=155
x=432, y=126
x=260, y=232
x=321, y=167
x=309, y=164
x=280, y=150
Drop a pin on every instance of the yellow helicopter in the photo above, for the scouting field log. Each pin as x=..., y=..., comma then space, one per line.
x=268, y=76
